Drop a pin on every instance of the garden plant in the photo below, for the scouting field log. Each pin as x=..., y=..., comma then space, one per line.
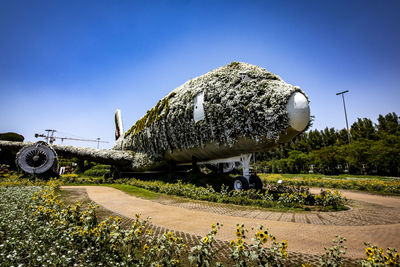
x=37, y=228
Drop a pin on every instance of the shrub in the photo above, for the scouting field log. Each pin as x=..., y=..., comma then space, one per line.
x=10, y=136
x=333, y=256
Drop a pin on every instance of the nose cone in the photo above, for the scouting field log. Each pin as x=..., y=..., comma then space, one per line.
x=298, y=111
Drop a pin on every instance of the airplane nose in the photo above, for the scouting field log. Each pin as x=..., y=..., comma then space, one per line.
x=298, y=111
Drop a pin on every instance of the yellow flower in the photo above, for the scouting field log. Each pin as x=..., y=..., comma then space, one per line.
x=239, y=241
x=146, y=248
x=238, y=232
x=265, y=239
x=118, y=219
x=115, y=244
x=368, y=251
x=284, y=244
x=390, y=262
x=213, y=226
x=232, y=243
x=205, y=239
x=241, y=247
x=260, y=234
x=149, y=232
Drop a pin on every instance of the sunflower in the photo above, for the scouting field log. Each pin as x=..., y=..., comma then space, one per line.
x=260, y=234
x=264, y=239
x=239, y=232
x=232, y=243
x=146, y=248
x=205, y=239
x=284, y=244
x=239, y=241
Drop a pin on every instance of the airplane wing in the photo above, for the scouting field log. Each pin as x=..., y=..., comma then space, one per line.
x=40, y=157
x=112, y=157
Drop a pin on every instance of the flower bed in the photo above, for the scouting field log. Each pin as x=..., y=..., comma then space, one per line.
x=369, y=185
x=288, y=197
x=37, y=229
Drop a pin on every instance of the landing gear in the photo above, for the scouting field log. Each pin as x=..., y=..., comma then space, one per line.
x=240, y=183
x=254, y=179
x=247, y=180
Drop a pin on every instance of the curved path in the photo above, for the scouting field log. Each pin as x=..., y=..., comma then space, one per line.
x=381, y=225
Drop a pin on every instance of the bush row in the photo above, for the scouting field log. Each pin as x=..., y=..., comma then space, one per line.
x=294, y=198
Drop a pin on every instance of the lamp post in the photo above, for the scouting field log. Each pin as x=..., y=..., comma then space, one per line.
x=345, y=113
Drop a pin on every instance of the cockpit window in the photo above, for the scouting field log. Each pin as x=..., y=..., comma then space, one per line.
x=198, y=111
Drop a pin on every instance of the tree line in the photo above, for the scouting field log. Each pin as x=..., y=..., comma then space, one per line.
x=373, y=148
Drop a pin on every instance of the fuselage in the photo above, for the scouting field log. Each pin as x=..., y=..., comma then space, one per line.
x=236, y=109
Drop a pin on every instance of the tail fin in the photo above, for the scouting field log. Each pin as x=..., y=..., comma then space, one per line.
x=119, y=128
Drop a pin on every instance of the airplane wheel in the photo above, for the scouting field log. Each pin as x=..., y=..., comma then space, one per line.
x=254, y=179
x=37, y=159
x=240, y=183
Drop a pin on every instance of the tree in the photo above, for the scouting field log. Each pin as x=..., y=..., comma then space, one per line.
x=297, y=162
x=388, y=124
x=363, y=129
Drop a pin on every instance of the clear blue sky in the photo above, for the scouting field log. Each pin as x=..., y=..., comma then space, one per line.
x=68, y=65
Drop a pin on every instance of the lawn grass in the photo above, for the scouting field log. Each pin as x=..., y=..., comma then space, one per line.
x=129, y=189
x=135, y=191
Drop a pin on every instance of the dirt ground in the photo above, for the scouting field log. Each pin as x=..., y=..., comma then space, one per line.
x=372, y=218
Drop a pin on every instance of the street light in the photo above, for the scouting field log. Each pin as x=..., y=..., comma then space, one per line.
x=345, y=113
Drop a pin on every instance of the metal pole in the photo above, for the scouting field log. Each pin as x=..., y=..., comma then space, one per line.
x=345, y=113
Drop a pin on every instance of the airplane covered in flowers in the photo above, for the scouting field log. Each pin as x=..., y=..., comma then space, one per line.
x=219, y=118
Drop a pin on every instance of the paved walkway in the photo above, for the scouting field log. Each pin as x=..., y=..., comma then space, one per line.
x=375, y=219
